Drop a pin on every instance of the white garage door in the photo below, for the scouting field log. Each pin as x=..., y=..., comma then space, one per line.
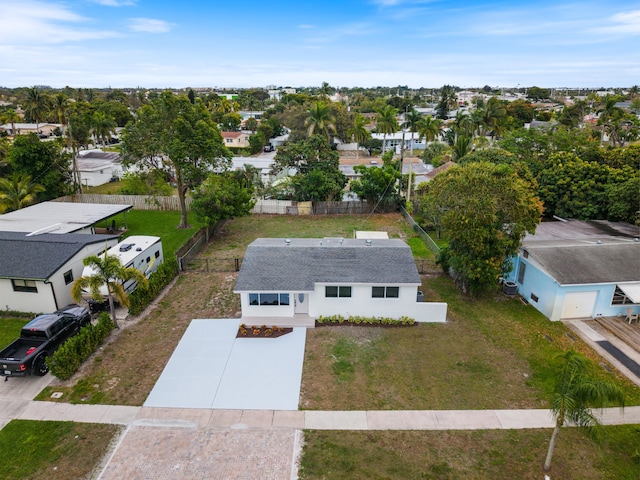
x=579, y=304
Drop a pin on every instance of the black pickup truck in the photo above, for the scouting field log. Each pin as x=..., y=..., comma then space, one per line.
x=40, y=338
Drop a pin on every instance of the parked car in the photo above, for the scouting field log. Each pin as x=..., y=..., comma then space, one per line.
x=269, y=148
x=39, y=339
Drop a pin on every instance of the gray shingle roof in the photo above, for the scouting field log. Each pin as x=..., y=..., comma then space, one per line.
x=595, y=263
x=40, y=256
x=270, y=264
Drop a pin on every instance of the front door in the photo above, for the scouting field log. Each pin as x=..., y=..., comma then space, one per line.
x=300, y=303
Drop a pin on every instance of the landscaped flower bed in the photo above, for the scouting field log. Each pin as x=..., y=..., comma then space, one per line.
x=365, y=321
x=262, y=331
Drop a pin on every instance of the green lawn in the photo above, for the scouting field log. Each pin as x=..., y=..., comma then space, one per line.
x=10, y=329
x=52, y=450
x=159, y=223
x=469, y=455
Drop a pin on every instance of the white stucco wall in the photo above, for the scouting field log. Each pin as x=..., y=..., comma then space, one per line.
x=268, y=310
x=40, y=302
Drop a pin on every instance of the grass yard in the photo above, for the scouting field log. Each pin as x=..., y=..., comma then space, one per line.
x=493, y=353
x=159, y=223
x=469, y=455
x=52, y=450
x=10, y=329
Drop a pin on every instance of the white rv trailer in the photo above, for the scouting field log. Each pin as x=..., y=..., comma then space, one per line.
x=142, y=252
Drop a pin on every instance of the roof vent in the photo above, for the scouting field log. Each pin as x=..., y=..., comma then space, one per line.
x=599, y=242
x=368, y=242
x=636, y=240
x=320, y=242
x=287, y=241
x=126, y=247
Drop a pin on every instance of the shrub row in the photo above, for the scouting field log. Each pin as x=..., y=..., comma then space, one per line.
x=72, y=353
x=357, y=320
x=141, y=297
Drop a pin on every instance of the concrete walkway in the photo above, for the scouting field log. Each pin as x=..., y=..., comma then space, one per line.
x=310, y=419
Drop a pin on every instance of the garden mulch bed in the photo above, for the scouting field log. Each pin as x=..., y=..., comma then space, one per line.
x=246, y=331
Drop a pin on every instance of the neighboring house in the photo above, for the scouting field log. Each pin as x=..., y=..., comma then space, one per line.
x=236, y=139
x=24, y=128
x=580, y=269
x=36, y=272
x=332, y=276
x=97, y=167
x=60, y=217
x=395, y=140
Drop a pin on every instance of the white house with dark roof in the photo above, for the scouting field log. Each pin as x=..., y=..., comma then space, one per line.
x=580, y=269
x=36, y=271
x=309, y=277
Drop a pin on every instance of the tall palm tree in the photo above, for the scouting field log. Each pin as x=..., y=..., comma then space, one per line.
x=493, y=115
x=102, y=127
x=17, y=192
x=429, y=128
x=412, y=122
x=577, y=391
x=325, y=91
x=320, y=120
x=37, y=105
x=358, y=132
x=386, y=122
x=109, y=272
x=60, y=104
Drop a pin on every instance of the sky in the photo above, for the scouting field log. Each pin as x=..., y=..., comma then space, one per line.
x=347, y=43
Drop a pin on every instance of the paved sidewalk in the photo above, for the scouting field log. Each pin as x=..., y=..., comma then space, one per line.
x=313, y=419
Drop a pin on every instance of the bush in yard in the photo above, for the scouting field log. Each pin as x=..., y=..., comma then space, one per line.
x=72, y=353
x=141, y=297
x=358, y=320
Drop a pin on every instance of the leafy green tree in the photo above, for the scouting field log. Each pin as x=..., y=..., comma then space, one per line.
x=221, y=197
x=623, y=196
x=522, y=111
x=537, y=93
x=372, y=145
x=485, y=210
x=573, y=188
x=17, y=192
x=152, y=182
x=103, y=127
x=577, y=391
x=313, y=154
x=231, y=122
x=11, y=116
x=436, y=153
x=319, y=120
x=179, y=138
x=386, y=122
x=379, y=186
x=358, y=132
x=44, y=162
x=429, y=128
x=493, y=116
x=256, y=143
x=109, y=272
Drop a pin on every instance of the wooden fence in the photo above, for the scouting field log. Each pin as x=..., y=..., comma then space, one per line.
x=139, y=202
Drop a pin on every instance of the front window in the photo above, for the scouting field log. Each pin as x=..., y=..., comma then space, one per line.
x=385, y=292
x=24, y=286
x=331, y=291
x=268, y=299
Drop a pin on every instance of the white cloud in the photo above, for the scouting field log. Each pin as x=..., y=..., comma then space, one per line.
x=149, y=25
x=31, y=22
x=623, y=23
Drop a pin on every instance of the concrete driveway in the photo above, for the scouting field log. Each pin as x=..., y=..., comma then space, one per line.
x=16, y=393
x=211, y=368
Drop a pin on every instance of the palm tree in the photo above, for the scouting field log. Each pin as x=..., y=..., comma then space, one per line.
x=577, y=391
x=60, y=104
x=320, y=119
x=325, y=91
x=358, y=132
x=386, y=122
x=103, y=127
x=429, y=128
x=110, y=272
x=461, y=146
x=493, y=115
x=11, y=116
x=17, y=192
x=37, y=105
x=412, y=122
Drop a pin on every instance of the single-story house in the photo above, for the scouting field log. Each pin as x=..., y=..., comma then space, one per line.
x=36, y=271
x=332, y=276
x=236, y=139
x=25, y=128
x=97, y=167
x=580, y=269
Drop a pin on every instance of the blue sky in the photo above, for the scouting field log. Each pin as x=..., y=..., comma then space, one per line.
x=429, y=43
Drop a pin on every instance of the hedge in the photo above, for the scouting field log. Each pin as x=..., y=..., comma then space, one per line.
x=141, y=297
x=358, y=320
x=72, y=353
